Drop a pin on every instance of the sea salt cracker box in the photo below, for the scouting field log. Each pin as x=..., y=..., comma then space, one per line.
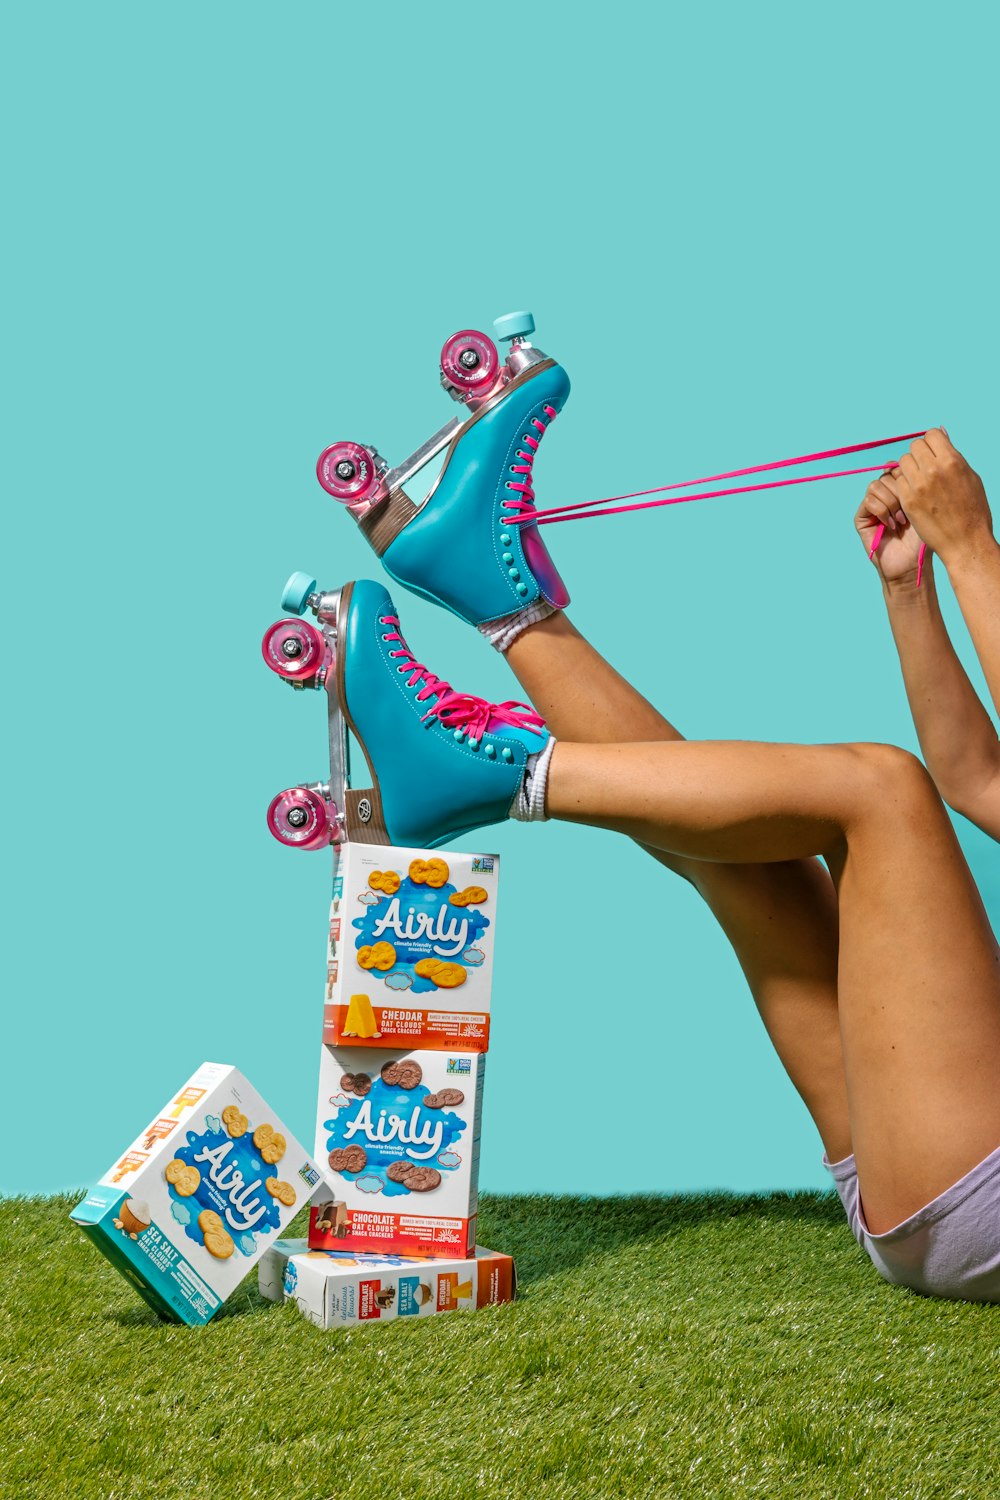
x=410, y=956
x=397, y=1134
x=199, y=1195
x=334, y=1289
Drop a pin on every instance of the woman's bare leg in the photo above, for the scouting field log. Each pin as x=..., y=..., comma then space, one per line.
x=919, y=980
x=780, y=918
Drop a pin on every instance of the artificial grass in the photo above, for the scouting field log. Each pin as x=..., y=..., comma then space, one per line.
x=698, y=1346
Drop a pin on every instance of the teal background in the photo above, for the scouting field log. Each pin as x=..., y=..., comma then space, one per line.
x=237, y=232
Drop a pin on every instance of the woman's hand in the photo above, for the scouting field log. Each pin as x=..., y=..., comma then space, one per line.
x=943, y=497
x=897, y=555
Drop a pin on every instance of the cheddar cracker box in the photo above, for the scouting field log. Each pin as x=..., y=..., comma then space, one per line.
x=410, y=957
x=199, y=1195
x=398, y=1136
x=333, y=1288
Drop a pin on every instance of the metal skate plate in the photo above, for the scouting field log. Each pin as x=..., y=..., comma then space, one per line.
x=397, y=477
x=327, y=611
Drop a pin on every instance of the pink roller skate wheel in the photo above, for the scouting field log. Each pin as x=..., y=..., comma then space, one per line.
x=347, y=471
x=469, y=360
x=295, y=650
x=301, y=818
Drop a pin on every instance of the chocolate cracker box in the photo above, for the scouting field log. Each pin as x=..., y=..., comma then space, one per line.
x=334, y=1289
x=410, y=956
x=397, y=1134
x=199, y=1195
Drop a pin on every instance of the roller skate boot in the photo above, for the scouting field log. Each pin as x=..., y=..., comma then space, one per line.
x=440, y=763
x=458, y=546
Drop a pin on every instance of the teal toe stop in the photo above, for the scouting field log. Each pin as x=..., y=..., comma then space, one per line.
x=515, y=325
x=295, y=594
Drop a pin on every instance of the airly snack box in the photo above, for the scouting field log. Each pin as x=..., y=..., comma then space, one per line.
x=397, y=1134
x=334, y=1289
x=410, y=957
x=199, y=1195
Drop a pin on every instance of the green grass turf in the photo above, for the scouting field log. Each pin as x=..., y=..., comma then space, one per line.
x=699, y=1346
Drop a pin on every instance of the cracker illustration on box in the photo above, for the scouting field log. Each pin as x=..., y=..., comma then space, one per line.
x=399, y=1135
x=206, y=1200
x=410, y=956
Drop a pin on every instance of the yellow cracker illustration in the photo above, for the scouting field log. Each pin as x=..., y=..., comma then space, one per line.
x=235, y=1121
x=432, y=872
x=384, y=880
x=210, y=1223
x=269, y=1143
x=185, y=1179
x=473, y=895
x=379, y=956
x=449, y=976
x=445, y=976
x=283, y=1191
x=219, y=1243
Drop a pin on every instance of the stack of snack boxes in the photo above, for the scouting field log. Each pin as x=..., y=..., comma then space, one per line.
x=405, y=1032
x=208, y=1188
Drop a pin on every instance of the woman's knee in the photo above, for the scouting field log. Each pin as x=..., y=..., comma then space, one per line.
x=887, y=778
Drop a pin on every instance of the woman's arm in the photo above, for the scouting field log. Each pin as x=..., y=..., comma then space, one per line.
x=957, y=738
x=945, y=500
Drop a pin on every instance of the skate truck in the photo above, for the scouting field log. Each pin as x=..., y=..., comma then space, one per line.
x=483, y=487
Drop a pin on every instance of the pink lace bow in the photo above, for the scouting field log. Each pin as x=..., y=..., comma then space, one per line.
x=454, y=710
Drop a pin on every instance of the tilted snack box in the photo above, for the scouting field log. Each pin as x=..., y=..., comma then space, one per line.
x=200, y=1194
x=410, y=956
x=398, y=1136
x=333, y=1288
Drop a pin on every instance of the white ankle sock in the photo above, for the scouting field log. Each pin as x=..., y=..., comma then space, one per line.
x=501, y=633
x=529, y=804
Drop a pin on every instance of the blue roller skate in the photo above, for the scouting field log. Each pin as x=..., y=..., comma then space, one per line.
x=459, y=547
x=441, y=763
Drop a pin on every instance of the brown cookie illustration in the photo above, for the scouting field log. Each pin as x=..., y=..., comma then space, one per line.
x=389, y=1073
x=399, y=1171
x=410, y=1074
x=423, y=1179
x=348, y=1158
x=444, y=1099
x=356, y=1083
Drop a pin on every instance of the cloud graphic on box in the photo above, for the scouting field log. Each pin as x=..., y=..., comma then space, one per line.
x=420, y=922
x=392, y=1125
x=237, y=1193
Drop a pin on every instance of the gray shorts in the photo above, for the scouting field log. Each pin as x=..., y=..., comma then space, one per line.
x=948, y=1248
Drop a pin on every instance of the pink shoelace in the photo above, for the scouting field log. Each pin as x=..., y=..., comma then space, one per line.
x=460, y=711
x=581, y=510
x=522, y=506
